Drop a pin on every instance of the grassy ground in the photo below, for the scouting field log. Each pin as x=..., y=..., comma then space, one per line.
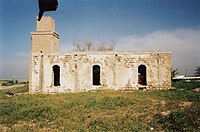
x=173, y=110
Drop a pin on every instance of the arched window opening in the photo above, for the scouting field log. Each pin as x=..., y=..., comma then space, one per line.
x=142, y=79
x=56, y=75
x=96, y=75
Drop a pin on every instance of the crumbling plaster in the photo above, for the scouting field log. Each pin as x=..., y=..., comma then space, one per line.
x=118, y=70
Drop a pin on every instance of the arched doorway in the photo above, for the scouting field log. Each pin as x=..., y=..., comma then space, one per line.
x=142, y=79
x=56, y=75
x=96, y=75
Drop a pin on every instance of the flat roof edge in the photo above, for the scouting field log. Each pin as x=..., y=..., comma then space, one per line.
x=104, y=52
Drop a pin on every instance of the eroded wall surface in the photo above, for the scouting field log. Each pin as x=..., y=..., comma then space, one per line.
x=118, y=71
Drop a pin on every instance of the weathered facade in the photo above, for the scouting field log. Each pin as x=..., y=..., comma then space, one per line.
x=51, y=71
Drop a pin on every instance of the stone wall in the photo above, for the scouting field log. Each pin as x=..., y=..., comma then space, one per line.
x=50, y=71
x=118, y=71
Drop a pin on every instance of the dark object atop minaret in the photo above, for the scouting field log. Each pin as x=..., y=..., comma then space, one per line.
x=46, y=5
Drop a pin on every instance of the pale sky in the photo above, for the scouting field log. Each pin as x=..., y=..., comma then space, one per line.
x=167, y=25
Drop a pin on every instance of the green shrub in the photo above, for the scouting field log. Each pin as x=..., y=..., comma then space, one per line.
x=186, y=85
x=21, y=89
x=16, y=81
x=177, y=121
x=4, y=84
x=176, y=94
x=8, y=83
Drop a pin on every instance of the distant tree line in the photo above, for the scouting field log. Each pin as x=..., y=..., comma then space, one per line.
x=13, y=82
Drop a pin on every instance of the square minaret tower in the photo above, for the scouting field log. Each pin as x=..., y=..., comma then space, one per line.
x=45, y=39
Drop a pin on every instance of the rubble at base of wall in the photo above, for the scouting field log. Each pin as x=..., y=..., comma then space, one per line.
x=106, y=89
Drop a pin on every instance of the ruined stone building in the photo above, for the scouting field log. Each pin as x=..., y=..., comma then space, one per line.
x=51, y=71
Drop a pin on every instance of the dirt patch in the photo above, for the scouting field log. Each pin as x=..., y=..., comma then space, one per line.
x=197, y=89
x=185, y=104
x=161, y=102
x=166, y=113
x=13, y=86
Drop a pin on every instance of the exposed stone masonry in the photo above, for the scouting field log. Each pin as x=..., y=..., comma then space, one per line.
x=52, y=72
